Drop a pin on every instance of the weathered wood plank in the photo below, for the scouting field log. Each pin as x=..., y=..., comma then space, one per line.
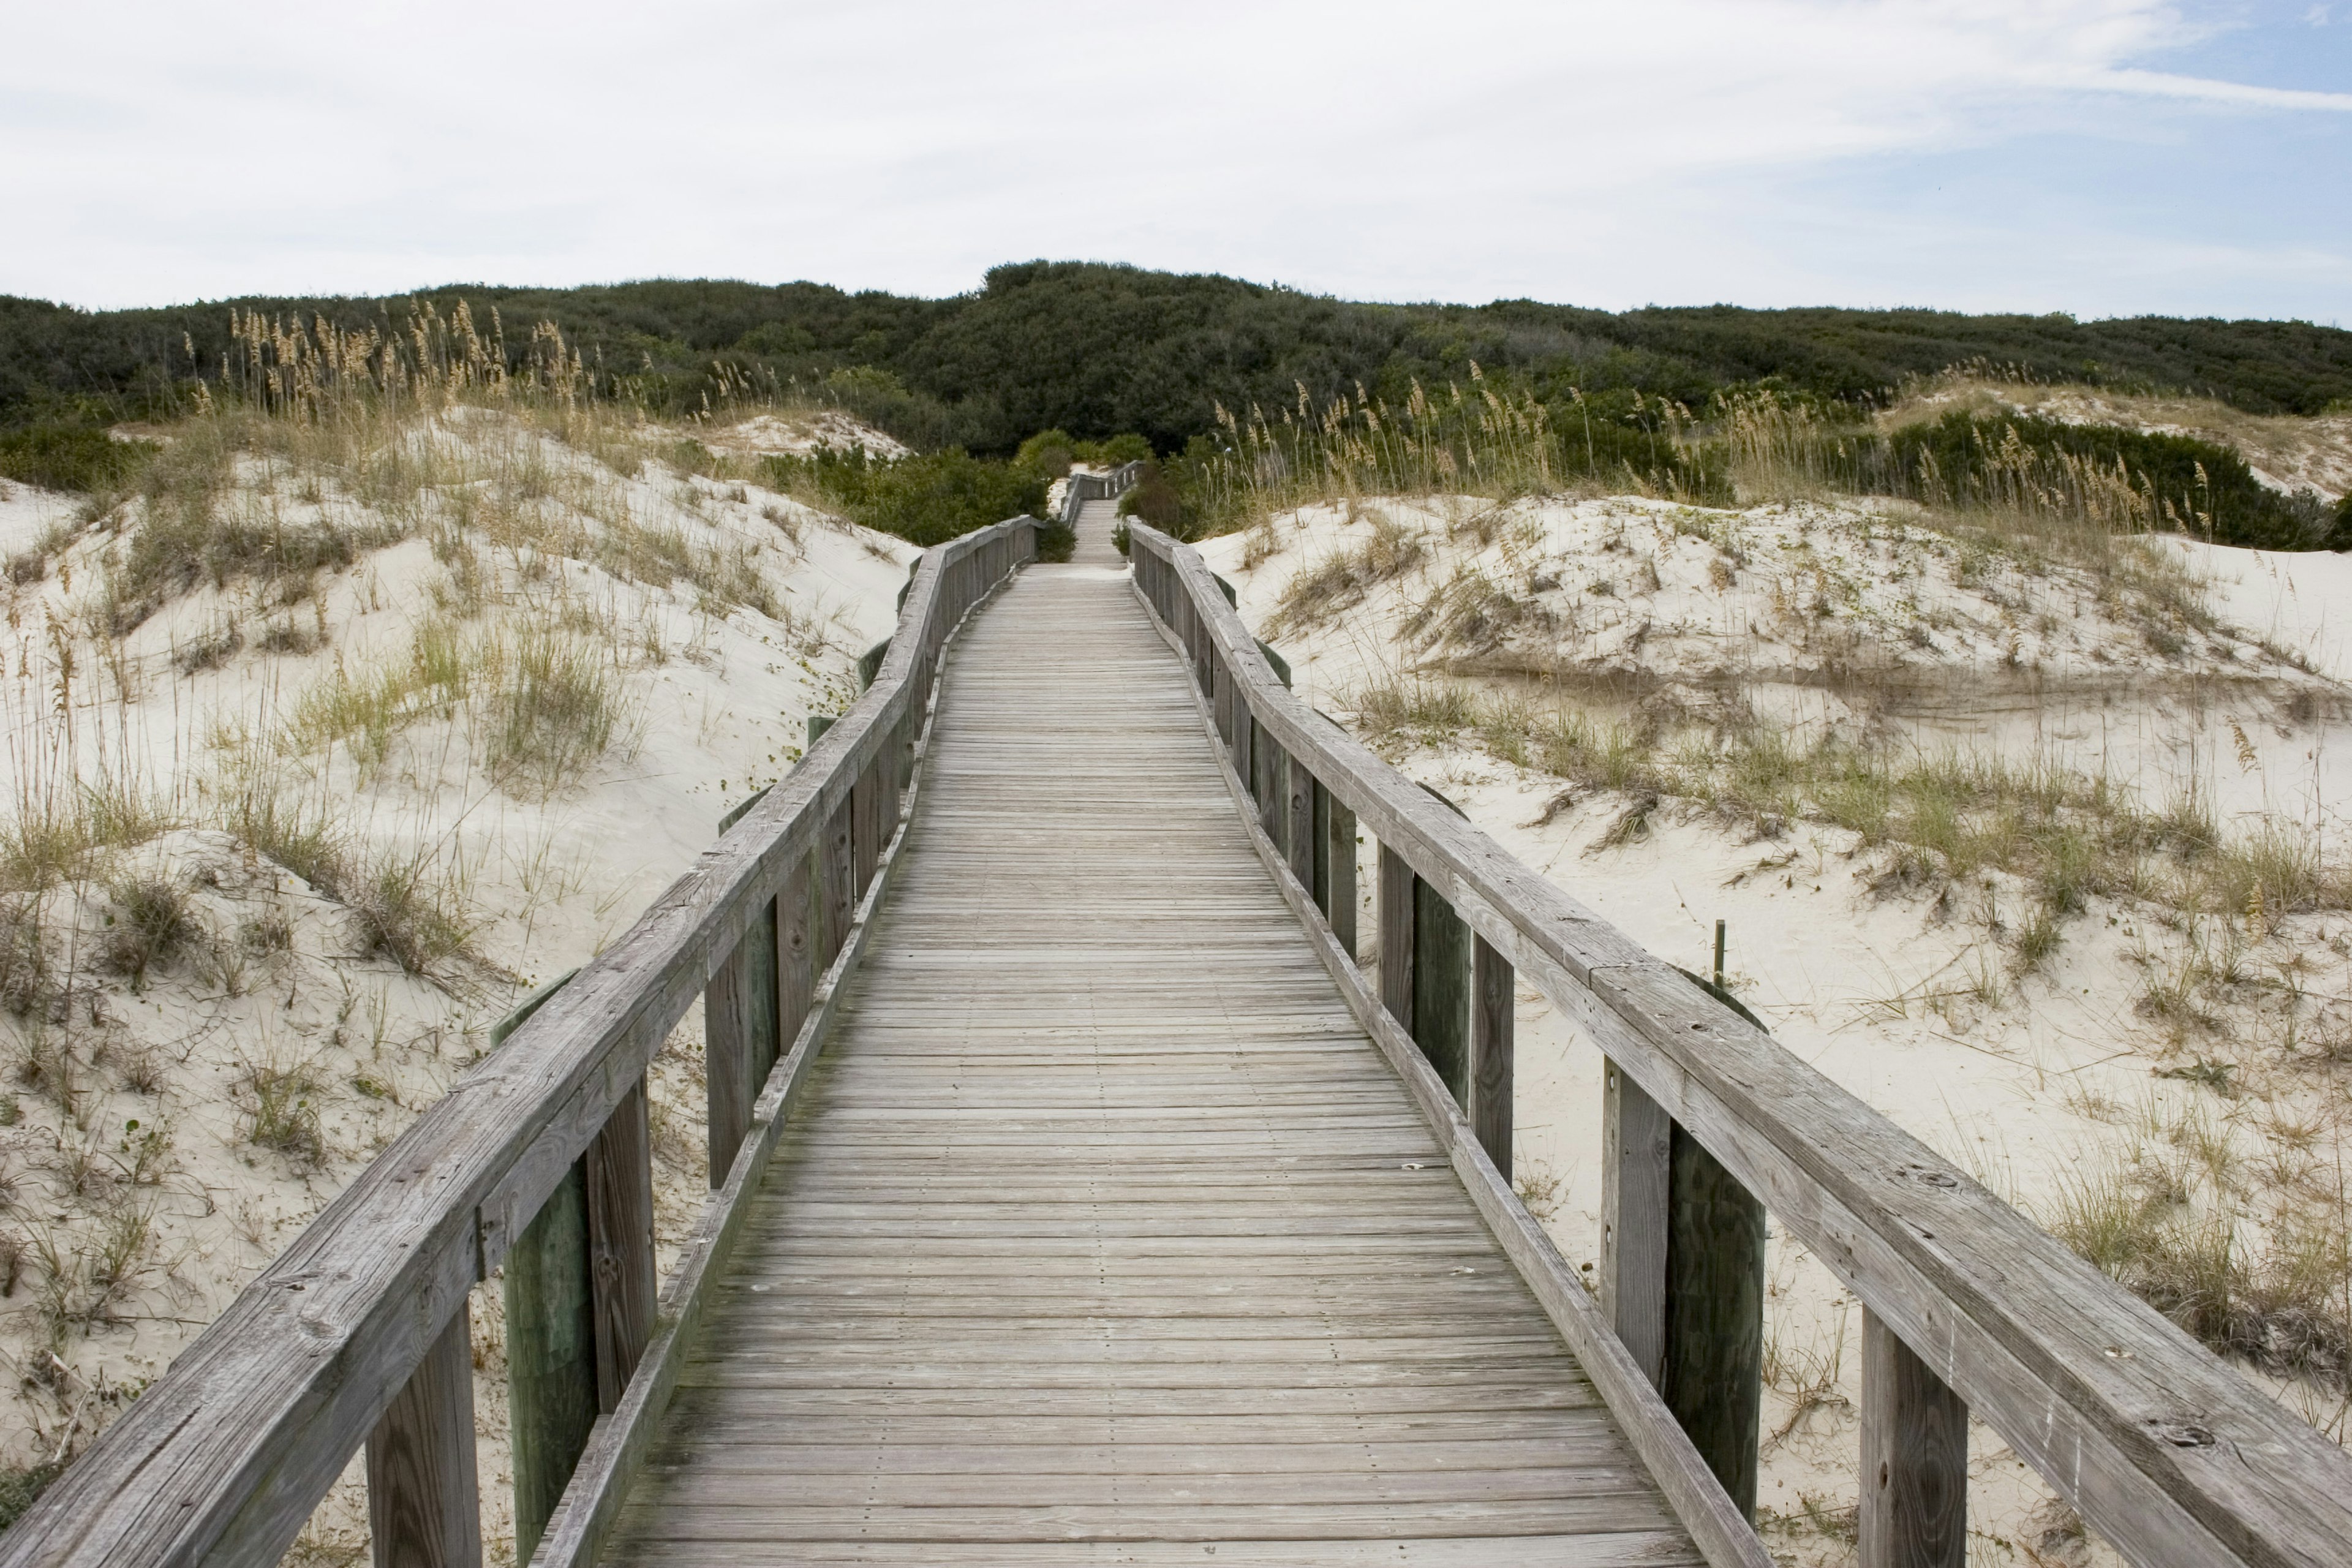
x=1397, y=905
x=1636, y=1166
x=1714, y=1370
x=1298, y=836
x=738, y=1028
x=423, y=1497
x=979, y=1217
x=618, y=1176
x=1494, y=1005
x=1915, y=1460
x=1441, y=988
x=551, y=1318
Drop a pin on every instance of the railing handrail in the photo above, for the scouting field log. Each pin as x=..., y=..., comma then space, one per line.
x=2162, y=1449
x=226, y=1456
x=1080, y=489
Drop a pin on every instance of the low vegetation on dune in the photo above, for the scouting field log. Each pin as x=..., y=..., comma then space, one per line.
x=1938, y=446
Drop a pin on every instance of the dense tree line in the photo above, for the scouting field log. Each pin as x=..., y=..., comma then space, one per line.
x=1097, y=350
x=1085, y=352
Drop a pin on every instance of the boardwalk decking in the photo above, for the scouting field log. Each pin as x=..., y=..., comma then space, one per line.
x=1103, y=1235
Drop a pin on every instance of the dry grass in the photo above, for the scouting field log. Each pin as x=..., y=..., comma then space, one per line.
x=1937, y=819
x=1468, y=440
x=279, y=1101
x=2172, y=1213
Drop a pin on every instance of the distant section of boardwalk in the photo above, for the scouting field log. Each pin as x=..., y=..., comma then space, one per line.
x=1097, y=519
x=1101, y=1233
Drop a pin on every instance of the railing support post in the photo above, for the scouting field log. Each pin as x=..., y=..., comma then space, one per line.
x=424, y=1498
x=1636, y=1154
x=1339, y=874
x=800, y=933
x=1396, y=936
x=1915, y=1459
x=1493, y=1003
x=1266, y=784
x=865, y=823
x=619, y=1172
x=739, y=1036
x=1441, y=988
x=551, y=1395
x=1713, y=1380
x=837, y=877
x=1299, y=831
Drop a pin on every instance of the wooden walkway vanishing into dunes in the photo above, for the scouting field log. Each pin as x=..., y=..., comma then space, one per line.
x=1105, y=1232
x=1080, y=1198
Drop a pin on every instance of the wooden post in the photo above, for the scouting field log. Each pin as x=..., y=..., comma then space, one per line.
x=619, y=1177
x=865, y=827
x=1493, y=1003
x=424, y=1507
x=1396, y=934
x=1298, y=832
x=1915, y=1459
x=1319, y=884
x=1713, y=1380
x=738, y=1035
x=839, y=892
x=551, y=1354
x=1267, y=785
x=1340, y=877
x=1441, y=988
x=1636, y=1155
x=1244, y=737
x=800, y=933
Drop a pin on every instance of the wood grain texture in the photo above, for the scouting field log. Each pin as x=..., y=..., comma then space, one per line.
x=1441, y=988
x=1298, y=840
x=551, y=1318
x=1915, y=1460
x=1714, y=1369
x=739, y=1026
x=618, y=1173
x=1341, y=852
x=1063, y=1235
x=2165, y=1451
x=424, y=1496
x=1492, y=1008
x=1396, y=905
x=1636, y=1150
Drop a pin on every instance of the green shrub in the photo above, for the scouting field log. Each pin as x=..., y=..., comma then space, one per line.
x=926, y=498
x=1049, y=452
x=1155, y=501
x=20, y=1486
x=59, y=456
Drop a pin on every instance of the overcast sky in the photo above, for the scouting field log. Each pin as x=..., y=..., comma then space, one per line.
x=2103, y=157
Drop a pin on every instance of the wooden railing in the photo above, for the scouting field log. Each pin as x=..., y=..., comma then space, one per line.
x=538, y=1162
x=1084, y=488
x=1707, y=1124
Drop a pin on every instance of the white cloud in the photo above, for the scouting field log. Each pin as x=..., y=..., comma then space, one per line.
x=152, y=152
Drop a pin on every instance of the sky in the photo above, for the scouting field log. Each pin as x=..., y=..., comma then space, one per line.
x=2098, y=157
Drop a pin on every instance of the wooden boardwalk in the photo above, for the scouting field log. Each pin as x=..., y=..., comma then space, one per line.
x=1102, y=1234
